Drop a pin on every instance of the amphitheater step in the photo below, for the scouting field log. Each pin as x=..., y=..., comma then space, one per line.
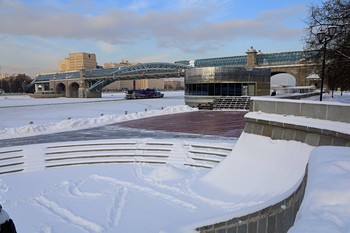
x=233, y=102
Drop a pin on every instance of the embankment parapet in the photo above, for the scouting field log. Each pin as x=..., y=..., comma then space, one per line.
x=311, y=109
x=311, y=135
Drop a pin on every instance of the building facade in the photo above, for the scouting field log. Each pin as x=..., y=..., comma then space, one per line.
x=205, y=84
x=173, y=85
x=76, y=61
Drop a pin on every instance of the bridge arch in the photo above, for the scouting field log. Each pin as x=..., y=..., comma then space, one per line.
x=282, y=79
x=60, y=88
x=152, y=70
x=73, y=90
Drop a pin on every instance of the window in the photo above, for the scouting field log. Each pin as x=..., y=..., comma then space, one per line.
x=211, y=89
x=217, y=87
x=224, y=89
x=205, y=88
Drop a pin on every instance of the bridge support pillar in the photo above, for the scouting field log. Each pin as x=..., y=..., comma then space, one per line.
x=251, y=58
x=67, y=92
x=93, y=94
x=81, y=92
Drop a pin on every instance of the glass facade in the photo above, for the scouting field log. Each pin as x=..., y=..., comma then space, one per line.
x=221, y=61
x=282, y=58
x=220, y=89
x=227, y=81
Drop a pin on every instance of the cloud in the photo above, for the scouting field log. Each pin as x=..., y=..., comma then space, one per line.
x=107, y=47
x=186, y=25
x=139, y=5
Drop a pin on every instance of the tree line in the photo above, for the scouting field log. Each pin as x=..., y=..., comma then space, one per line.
x=14, y=83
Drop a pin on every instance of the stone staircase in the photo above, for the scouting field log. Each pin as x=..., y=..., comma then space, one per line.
x=232, y=102
x=114, y=151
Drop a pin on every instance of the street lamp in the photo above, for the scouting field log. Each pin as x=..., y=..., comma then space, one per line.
x=323, y=37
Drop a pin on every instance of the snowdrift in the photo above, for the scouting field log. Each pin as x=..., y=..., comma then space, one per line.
x=260, y=172
x=326, y=204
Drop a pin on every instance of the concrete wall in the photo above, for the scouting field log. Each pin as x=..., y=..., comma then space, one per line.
x=309, y=135
x=42, y=95
x=274, y=219
x=194, y=101
x=92, y=94
x=312, y=109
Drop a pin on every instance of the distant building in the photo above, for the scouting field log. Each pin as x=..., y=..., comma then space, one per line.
x=121, y=64
x=76, y=61
x=63, y=65
x=173, y=85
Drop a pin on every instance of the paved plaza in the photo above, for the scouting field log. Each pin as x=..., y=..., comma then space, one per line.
x=219, y=123
x=213, y=125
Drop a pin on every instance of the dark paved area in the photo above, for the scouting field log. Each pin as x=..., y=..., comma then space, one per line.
x=221, y=123
x=213, y=125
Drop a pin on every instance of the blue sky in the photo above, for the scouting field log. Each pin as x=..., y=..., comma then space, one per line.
x=36, y=34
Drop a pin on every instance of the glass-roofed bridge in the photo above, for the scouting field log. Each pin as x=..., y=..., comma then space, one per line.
x=261, y=59
x=299, y=64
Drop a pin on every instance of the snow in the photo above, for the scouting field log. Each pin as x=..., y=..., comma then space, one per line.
x=262, y=171
x=46, y=116
x=166, y=173
x=170, y=197
x=326, y=204
x=337, y=99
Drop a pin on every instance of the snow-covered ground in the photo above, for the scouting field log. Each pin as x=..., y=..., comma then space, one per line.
x=326, y=204
x=140, y=197
x=24, y=116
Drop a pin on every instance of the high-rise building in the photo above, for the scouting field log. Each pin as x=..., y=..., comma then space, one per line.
x=76, y=61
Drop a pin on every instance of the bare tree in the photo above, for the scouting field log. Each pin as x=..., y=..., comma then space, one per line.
x=332, y=13
x=15, y=83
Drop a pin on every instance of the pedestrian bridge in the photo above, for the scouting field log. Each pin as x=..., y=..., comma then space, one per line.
x=89, y=83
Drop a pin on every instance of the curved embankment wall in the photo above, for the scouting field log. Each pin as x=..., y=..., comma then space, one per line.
x=276, y=218
x=267, y=119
